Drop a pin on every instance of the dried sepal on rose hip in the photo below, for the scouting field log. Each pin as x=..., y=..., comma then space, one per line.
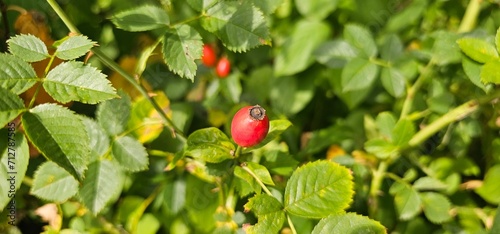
x=249, y=126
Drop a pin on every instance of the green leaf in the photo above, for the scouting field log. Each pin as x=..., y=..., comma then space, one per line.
x=289, y=95
x=74, y=81
x=14, y=161
x=99, y=141
x=279, y=163
x=409, y=16
x=478, y=49
x=436, y=207
x=59, y=135
x=74, y=47
x=239, y=25
x=201, y=5
x=497, y=40
x=10, y=106
x=231, y=87
x=490, y=189
x=403, y=132
x=349, y=223
x=393, y=81
x=53, y=183
x=392, y=49
x=16, y=75
x=406, y=200
x=28, y=47
x=381, y=148
x=429, y=183
x=318, y=189
x=358, y=74
x=269, y=212
x=385, y=123
x=268, y=6
x=103, y=181
x=276, y=128
x=445, y=49
x=130, y=153
x=296, y=53
x=316, y=9
x=490, y=73
x=248, y=179
x=182, y=45
x=496, y=223
x=142, y=18
x=351, y=98
x=210, y=145
x=261, y=172
x=114, y=114
x=335, y=53
x=359, y=37
x=473, y=71
x=201, y=204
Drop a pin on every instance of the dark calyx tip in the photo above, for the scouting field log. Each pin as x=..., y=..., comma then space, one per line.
x=257, y=112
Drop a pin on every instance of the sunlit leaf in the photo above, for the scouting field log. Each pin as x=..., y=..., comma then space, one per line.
x=53, y=183
x=318, y=189
x=59, y=135
x=269, y=212
x=142, y=18
x=28, y=47
x=74, y=81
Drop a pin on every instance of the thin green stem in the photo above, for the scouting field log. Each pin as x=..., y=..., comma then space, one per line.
x=32, y=101
x=470, y=17
x=63, y=16
x=412, y=91
x=47, y=68
x=28, y=181
x=114, y=66
x=244, y=167
x=395, y=178
x=290, y=223
x=380, y=62
x=186, y=20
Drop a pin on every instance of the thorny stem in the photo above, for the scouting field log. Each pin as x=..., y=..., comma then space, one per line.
x=114, y=66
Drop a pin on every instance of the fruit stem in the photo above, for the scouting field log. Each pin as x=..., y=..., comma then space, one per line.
x=111, y=64
x=412, y=91
x=470, y=17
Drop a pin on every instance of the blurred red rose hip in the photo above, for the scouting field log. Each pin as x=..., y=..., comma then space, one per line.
x=209, y=58
x=223, y=67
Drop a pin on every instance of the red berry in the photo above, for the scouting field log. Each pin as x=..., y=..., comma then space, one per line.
x=223, y=67
x=249, y=126
x=209, y=58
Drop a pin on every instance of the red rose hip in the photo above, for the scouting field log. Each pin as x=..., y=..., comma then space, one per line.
x=223, y=67
x=249, y=126
x=209, y=57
